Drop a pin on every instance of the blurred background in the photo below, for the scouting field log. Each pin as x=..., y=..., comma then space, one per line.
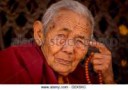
x=111, y=26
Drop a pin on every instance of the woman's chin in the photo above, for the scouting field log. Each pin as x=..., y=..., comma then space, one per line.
x=64, y=71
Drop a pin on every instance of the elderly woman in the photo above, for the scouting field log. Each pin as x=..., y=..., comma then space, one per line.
x=60, y=46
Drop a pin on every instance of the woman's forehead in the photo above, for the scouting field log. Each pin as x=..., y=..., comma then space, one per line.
x=69, y=21
x=72, y=21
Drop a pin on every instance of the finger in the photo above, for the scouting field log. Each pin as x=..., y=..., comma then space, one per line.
x=97, y=56
x=97, y=61
x=99, y=46
x=100, y=56
x=98, y=68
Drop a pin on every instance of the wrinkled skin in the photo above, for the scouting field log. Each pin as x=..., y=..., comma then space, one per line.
x=64, y=44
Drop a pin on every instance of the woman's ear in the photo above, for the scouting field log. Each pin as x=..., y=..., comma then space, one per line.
x=38, y=33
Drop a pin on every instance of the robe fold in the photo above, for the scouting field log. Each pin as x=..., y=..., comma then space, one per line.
x=26, y=64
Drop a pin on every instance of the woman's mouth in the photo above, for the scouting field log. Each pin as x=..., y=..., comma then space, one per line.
x=63, y=61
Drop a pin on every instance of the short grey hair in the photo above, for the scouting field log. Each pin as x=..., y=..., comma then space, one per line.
x=68, y=4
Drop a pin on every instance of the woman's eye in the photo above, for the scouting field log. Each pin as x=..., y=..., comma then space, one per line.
x=61, y=35
x=79, y=42
x=61, y=39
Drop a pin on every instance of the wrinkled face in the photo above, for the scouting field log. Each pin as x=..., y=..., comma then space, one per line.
x=64, y=45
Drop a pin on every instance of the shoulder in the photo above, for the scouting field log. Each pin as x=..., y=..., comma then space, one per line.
x=17, y=61
x=28, y=51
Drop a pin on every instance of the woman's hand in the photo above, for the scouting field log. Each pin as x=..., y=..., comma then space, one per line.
x=102, y=62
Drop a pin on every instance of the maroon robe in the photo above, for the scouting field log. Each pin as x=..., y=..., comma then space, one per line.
x=26, y=64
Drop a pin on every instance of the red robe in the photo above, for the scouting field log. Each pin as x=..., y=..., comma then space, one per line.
x=26, y=64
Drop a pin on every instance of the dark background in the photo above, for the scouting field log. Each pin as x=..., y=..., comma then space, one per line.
x=111, y=26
